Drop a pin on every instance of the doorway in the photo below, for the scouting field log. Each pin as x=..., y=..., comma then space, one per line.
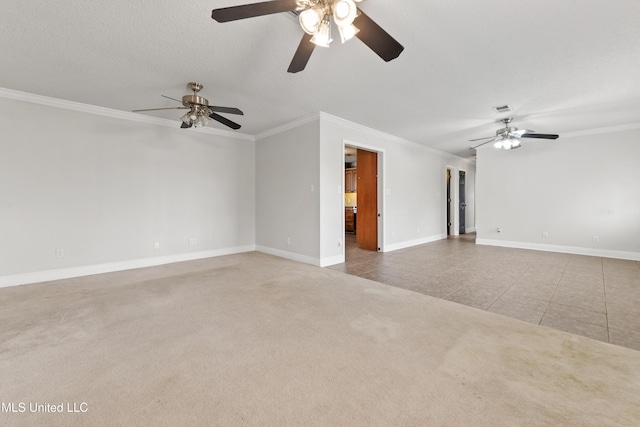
x=448, y=202
x=362, y=198
x=462, y=202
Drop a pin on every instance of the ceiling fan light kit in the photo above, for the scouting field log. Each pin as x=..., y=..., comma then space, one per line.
x=315, y=18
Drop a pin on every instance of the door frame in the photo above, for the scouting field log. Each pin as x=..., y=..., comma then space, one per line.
x=462, y=201
x=454, y=188
x=381, y=175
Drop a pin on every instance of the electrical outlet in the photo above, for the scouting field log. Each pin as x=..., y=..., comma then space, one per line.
x=545, y=234
x=59, y=253
x=156, y=245
x=193, y=241
x=595, y=239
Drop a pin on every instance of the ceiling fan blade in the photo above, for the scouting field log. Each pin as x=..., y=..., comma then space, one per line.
x=157, y=109
x=540, y=135
x=186, y=125
x=224, y=121
x=480, y=139
x=377, y=39
x=480, y=145
x=234, y=13
x=302, y=55
x=173, y=99
x=229, y=110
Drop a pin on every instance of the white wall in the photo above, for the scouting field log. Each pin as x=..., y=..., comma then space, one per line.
x=310, y=154
x=574, y=188
x=104, y=189
x=287, y=188
x=414, y=193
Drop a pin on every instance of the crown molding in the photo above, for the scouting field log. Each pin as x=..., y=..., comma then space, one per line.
x=109, y=112
x=287, y=126
x=389, y=137
x=597, y=131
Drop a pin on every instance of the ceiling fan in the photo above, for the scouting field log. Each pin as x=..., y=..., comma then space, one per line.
x=315, y=17
x=508, y=138
x=199, y=110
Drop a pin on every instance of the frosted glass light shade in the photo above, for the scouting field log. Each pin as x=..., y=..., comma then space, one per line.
x=311, y=19
x=344, y=12
x=347, y=32
x=507, y=143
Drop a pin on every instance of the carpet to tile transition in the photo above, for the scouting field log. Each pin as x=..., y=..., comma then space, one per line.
x=253, y=339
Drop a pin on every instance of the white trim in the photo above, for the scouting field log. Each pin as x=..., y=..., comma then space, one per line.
x=415, y=242
x=605, y=253
x=290, y=125
x=118, y=114
x=289, y=255
x=471, y=230
x=383, y=135
x=87, y=270
x=332, y=260
x=596, y=131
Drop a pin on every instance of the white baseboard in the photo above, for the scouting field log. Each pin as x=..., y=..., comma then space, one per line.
x=416, y=242
x=333, y=260
x=87, y=270
x=289, y=255
x=605, y=253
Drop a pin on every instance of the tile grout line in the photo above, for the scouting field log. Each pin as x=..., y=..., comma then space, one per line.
x=510, y=286
x=606, y=307
x=555, y=290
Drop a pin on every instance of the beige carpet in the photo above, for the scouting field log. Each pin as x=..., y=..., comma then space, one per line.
x=256, y=340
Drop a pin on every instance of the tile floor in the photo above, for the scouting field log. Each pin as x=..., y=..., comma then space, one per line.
x=590, y=296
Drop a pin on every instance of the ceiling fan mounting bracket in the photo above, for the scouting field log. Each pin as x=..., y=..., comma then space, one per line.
x=195, y=87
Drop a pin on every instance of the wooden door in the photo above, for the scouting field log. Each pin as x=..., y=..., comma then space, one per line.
x=367, y=184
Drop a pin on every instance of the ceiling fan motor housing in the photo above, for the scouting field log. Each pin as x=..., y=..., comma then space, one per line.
x=189, y=100
x=506, y=131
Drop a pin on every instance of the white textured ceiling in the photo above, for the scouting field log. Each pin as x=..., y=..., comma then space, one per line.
x=563, y=66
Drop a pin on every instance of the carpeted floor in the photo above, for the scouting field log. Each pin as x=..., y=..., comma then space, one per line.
x=253, y=339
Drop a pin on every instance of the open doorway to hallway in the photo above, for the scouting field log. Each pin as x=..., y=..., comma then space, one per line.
x=459, y=196
x=361, y=199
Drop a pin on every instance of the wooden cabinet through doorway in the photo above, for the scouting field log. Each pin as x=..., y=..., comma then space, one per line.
x=350, y=180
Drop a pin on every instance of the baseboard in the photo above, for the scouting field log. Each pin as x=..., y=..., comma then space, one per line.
x=333, y=260
x=416, y=242
x=87, y=270
x=289, y=255
x=605, y=253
